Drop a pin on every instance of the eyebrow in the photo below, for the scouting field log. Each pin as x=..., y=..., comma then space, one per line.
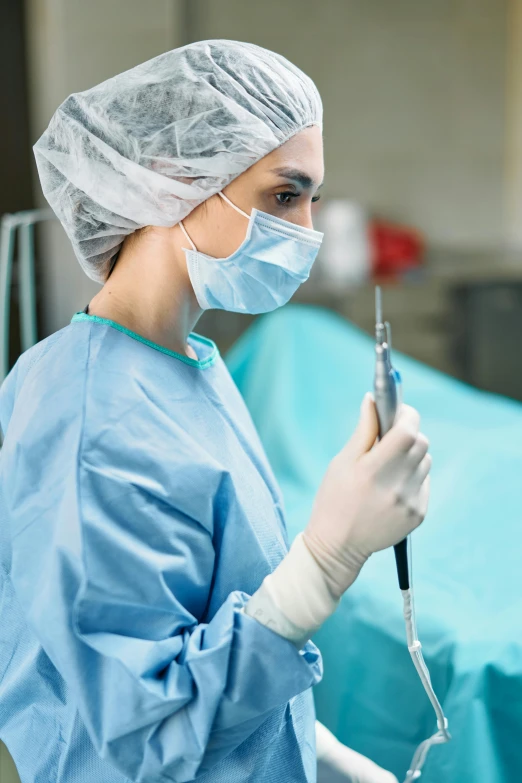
x=297, y=176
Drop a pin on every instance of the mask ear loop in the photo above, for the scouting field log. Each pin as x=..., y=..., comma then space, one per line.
x=182, y=227
x=233, y=205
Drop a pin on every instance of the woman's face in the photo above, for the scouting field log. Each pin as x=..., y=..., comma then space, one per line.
x=284, y=183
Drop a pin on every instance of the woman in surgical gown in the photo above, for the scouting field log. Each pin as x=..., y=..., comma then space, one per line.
x=154, y=626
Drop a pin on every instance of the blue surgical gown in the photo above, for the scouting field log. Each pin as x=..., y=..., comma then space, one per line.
x=137, y=514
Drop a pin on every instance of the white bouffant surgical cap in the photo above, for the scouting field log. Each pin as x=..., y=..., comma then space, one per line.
x=147, y=146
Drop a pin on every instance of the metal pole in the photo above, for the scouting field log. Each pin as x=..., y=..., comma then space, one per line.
x=26, y=285
x=10, y=223
x=7, y=237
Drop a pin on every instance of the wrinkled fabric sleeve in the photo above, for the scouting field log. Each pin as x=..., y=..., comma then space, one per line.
x=114, y=579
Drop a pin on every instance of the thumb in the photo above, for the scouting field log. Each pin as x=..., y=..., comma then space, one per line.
x=367, y=429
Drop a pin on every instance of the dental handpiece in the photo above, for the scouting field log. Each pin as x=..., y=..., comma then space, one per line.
x=388, y=399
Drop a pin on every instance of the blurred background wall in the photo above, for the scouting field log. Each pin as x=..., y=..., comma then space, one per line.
x=513, y=158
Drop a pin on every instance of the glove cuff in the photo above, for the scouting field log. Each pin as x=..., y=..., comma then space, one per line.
x=295, y=600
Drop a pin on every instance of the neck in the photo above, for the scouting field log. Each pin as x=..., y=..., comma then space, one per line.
x=149, y=290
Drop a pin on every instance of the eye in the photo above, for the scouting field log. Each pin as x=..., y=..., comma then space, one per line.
x=315, y=198
x=286, y=197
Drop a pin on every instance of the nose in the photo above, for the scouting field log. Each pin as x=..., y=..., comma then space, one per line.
x=303, y=217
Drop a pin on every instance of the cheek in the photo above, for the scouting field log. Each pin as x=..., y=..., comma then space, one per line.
x=215, y=232
x=226, y=235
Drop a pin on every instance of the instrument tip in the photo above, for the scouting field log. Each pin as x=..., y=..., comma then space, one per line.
x=378, y=304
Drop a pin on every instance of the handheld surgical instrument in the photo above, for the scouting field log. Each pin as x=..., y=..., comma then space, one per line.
x=388, y=399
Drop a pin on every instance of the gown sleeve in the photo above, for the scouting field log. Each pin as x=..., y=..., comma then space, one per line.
x=113, y=575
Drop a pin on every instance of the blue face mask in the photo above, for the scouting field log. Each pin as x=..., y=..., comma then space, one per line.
x=265, y=271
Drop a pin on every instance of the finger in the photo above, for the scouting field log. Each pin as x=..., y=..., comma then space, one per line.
x=424, y=497
x=399, y=440
x=418, y=505
x=417, y=452
x=416, y=479
x=367, y=429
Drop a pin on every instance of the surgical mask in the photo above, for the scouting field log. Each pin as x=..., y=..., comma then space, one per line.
x=271, y=263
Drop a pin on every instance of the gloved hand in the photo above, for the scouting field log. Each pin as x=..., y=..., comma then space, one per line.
x=370, y=498
x=338, y=764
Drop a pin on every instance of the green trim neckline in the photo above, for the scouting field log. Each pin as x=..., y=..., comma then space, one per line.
x=202, y=365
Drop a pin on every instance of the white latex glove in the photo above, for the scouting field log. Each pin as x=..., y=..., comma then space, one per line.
x=370, y=498
x=338, y=764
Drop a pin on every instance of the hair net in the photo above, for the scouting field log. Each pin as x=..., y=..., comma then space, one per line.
x=149, y=145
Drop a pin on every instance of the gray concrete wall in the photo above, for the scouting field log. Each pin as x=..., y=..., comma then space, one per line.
x=513, y=160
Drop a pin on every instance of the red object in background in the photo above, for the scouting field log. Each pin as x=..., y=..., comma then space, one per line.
x=393, y=248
